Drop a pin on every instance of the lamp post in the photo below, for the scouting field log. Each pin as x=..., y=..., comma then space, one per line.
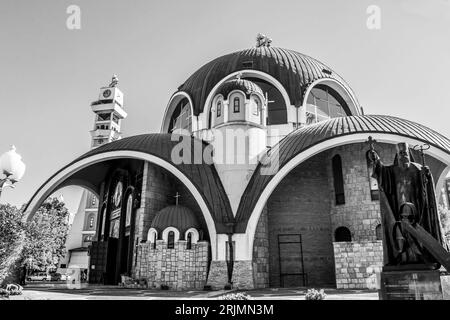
x=12, y=168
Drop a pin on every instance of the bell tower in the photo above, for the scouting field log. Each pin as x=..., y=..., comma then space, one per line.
x=109, y=112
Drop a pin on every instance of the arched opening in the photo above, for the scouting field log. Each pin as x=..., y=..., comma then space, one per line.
x=189, y=241
x=181, y=117
x=296, y=222
x=276, y=107
x=342, y=234
x=338, y=180
x=379, y=232
x=171, y=240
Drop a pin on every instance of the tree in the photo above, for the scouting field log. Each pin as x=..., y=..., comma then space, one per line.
x=45, y=236
x=36, y=244
x=11, y=240
x=444, y=216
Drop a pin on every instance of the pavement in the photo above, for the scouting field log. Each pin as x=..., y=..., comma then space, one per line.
x=48, y=291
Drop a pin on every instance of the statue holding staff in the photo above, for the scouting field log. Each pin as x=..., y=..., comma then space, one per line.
x=407, y=199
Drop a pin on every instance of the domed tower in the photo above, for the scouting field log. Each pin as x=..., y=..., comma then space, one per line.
x=237, y=116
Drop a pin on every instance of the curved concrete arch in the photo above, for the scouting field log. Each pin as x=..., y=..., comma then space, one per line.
x=53, y=183
x=173, y=102
x=339, y=87
x=204, y=116
x=316, y=149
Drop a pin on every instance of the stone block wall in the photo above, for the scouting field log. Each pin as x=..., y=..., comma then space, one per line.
x=357, y=264
x=177, y=268
x=261, y=252
x=360, y=214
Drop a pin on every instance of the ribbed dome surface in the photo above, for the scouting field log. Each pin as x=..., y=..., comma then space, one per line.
x=177, y=216
x=246, y=86
x=294, y=70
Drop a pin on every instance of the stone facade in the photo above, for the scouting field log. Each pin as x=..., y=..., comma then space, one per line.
x=358, y=264
x=218, y=274
x=178, y=268
x=261, y=252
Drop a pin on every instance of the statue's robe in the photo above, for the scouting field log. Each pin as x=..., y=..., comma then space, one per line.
x=397, y=186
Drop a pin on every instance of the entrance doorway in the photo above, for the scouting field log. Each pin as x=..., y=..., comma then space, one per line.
x=291, y=266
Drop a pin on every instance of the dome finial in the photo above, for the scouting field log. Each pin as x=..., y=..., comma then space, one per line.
x=262, y=40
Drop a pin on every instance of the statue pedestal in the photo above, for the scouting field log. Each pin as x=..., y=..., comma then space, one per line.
x=414, y=285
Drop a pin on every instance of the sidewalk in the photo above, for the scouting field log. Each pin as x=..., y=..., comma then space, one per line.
x=54, y=292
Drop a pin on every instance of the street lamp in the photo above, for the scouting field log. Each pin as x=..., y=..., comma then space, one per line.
x=12, y=168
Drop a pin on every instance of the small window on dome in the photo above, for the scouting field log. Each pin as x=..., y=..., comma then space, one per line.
x=237, y=105
x=171, y=240
x=219, y=109
x=154, y=240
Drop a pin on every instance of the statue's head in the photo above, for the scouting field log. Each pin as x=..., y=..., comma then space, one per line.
x=403, y=154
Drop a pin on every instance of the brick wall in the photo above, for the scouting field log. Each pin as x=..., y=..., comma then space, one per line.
x=300, y=205
x=357, y=264
x=177, y=268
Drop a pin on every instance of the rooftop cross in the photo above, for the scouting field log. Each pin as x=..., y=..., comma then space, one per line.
x=176, y=198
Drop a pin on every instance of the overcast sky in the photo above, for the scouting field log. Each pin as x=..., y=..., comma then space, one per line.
x=50, y=74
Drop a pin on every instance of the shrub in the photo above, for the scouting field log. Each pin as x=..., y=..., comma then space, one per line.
x=235, y=296
x=313, y=294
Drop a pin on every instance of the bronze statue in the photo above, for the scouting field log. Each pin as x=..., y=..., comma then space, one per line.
x=408, y=207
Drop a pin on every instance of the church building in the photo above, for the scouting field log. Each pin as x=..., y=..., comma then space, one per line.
x=259, y=177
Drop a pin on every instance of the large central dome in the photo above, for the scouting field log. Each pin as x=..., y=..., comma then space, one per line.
x=295, y=71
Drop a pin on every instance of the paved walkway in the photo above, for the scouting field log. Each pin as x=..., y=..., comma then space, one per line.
x=49, y=292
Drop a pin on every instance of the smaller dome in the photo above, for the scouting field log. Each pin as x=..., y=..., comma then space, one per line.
x=175, y=216
x=246, y=86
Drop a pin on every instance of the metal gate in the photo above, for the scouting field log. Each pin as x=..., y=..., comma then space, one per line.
x=290, y=257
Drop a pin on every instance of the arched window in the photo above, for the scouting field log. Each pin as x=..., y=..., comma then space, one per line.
x=189, y=241
x=338, y=180
x=219, y=109
x=171, y=240
x=373, y=183
x=236, y=105
x=342, y=234
x=91, y=222
x=128, y=211
x=379, y=232
x=154, y=240
x=256, y=108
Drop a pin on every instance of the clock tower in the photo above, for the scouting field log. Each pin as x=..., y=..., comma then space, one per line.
x=109, y=112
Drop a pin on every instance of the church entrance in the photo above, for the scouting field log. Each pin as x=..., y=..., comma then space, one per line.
x=292, y=270
x=299, y=228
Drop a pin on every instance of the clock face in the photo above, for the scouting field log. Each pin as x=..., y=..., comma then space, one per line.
x=106, y=93
x=118, y=194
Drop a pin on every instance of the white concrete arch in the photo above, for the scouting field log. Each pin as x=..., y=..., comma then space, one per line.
x=204, y=116
x=247, y=241
x=151, y=235
x=346, y=94
x=173, y=102
x=53, y=184
x=195, y=235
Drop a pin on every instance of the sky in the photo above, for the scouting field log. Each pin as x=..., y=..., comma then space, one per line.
x=50, y=74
